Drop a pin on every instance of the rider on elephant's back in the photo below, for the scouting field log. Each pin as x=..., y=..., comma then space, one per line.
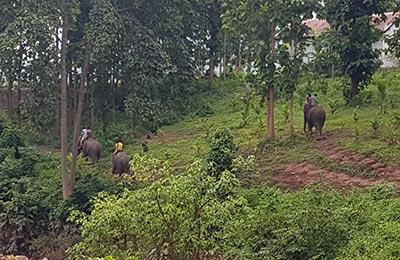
x=83, y=137
x=311, y=101
x=118, y=147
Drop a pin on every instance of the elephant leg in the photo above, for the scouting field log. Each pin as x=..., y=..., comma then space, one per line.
x=320, y=126
x=128, y=169
x=309, y=130
x=317, y=127
x=84, y=154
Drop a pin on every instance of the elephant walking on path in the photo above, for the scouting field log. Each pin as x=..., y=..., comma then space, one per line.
x=314, y=117
x=121, y=163
x=92, y=149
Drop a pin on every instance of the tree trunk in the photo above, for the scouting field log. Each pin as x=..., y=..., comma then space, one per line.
x=64, y=118
x=354, y=88
x=239, y=57
x=19, y=98
x=271, y=92
x=70, y=82
x=225, y=62
x=91, y=83
x=291, y=117
x=9, y=98
x=74, y=96
x=304, y=118
x=114, y=90
x=332, y=70
x=57, y=121
x=270, y=114
x=211, y=70
x=78, y=118
x=220, y=65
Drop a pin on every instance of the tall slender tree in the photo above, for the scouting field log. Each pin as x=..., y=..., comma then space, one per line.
x=291, y=53
x=259, y=21
x=63, y=87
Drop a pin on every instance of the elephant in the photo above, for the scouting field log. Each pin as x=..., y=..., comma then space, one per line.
x=121, y=164
x=314, y=117
x=92, y=149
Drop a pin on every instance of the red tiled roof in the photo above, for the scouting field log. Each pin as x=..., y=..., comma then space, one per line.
x=318, y=27
x=385, y=25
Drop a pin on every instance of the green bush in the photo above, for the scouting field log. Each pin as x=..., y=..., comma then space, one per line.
x=222, y=152
x=311, y=224
x=204, y=110
x=178, y=217
x=33, y=213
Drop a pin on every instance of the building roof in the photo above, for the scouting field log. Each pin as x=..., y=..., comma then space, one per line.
x=318, y=26
x=385, y=25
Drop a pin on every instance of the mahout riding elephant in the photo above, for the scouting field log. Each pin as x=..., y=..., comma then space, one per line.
x=92, y=149
x=121, y=164
x=314, y=117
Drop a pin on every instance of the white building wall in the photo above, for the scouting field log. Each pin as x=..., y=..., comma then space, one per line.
x=388, y=60
x=309, y=53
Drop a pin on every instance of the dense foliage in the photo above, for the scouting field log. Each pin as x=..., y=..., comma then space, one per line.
x=189, y=217
x=32, y=213
x=353, y=23
x=135, y=66
x=222, y=152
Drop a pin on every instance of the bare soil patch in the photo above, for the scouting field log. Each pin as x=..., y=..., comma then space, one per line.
x=328, y=147
x=296, y=176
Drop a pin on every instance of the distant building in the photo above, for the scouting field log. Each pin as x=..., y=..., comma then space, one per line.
x=387, y=27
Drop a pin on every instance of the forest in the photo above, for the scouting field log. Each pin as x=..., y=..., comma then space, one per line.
x=225, y=155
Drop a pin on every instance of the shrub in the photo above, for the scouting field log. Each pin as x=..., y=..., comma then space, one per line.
x=178, y=217
x=222, y=152
x=333, y=106
x=205, y=110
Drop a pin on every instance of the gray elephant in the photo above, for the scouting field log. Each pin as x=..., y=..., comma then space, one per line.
x=121, y=164
x=92, y=149
x=314, y=117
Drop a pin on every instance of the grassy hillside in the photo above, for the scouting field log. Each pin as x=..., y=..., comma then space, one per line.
x=242, y=217
x=369, y=128
x=199, y=215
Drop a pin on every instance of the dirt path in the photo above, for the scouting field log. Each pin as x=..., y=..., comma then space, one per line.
x=385, y=172
x=295, y=176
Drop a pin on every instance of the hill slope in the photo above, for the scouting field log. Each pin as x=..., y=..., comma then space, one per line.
x=359, y=146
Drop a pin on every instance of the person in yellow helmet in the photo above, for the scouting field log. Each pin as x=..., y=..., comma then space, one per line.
x=119, y=146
